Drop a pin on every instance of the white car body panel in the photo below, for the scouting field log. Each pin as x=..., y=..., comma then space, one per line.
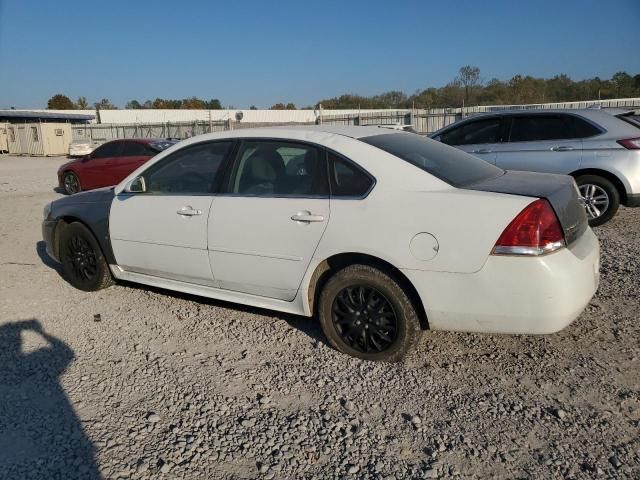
x=251, y=252
x=149, y=236
x=255, y=247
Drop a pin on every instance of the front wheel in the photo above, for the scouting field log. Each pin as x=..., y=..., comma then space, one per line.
x=366, y=314
x=600, y=198
x=82, y=261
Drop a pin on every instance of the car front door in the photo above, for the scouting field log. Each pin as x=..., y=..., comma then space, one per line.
x=540, y=143
x=265, y=227
x=478, y=137
x=163, y=231
x=95, y=166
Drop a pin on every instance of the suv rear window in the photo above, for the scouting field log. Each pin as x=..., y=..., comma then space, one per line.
x=447, y=163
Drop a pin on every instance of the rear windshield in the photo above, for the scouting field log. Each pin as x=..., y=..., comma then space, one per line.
x=162, y=144
x=633, y=118
x=447, y=163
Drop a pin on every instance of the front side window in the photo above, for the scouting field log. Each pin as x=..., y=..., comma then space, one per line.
x=111, y=149
x=347, y=180
x=275, y=168
x=135, y=149
x=192, y=170
x=473, y=132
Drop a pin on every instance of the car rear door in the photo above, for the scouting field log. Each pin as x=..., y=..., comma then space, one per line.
x=539, y=143
x=163, y=231
x=480, y=137
x=94, y=168
x=265, y=228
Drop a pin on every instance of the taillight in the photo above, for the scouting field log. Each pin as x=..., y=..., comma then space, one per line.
x=535, y=231
x=630, y=143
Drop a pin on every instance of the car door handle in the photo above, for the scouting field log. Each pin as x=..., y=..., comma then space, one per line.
x=562, y=148
x=482, y=150
x=189, y=211
x=307, y=217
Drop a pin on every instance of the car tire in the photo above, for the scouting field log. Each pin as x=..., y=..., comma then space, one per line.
x=594, y=189
x=83, y=263
x=70, y=183
x=362, y=308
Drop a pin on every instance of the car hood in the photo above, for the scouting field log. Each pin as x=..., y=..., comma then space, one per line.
x=560, y=190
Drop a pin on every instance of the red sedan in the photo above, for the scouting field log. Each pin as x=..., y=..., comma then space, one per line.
x=108, y=164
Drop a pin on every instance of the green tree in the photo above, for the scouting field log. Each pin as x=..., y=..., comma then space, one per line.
x=194, y=103
x=469, y=77
x=253, y=107
x=105, y=104
x=60, y=102
x=133, y=105
x=278, y=106
x=290, y=106
x=82, y=103
x=214, y=104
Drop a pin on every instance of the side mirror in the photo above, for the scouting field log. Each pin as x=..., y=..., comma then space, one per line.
x=136, y=185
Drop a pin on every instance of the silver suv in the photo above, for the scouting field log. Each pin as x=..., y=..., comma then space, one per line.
x=600, y=149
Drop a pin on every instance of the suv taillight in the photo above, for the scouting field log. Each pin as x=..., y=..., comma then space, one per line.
x=535, y=231
x=630, y=143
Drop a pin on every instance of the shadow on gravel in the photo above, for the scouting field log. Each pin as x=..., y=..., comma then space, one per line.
x=308, y=326
x=40, y=434
x=41, y=250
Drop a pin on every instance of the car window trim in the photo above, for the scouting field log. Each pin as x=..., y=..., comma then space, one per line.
x=226, y=187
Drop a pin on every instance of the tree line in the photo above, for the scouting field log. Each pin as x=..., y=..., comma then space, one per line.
x=467, y=88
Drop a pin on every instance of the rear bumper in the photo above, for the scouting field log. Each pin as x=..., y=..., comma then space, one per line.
x=48, y=230
x=633, y=200
x=514, y=294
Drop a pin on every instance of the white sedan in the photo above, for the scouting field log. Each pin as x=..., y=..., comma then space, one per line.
x=378, y=233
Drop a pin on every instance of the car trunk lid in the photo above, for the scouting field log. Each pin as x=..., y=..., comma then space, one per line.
x=560, y=190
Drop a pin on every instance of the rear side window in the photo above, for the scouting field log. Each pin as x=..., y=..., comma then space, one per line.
x=346, y=179
x=477, y=131
x=279, y=168
x=446, y=163
x=134, y=149
x=549, y=127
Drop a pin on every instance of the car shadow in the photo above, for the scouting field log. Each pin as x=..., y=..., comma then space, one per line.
x=40, y=434
x=41, y=250
x=308, y=326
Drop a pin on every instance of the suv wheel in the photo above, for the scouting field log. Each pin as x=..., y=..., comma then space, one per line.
x=601, y=198
x=366, y=314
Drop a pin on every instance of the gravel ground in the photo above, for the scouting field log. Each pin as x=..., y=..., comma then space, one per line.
x=133, y=382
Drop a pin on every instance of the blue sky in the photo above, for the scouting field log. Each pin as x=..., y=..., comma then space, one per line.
x=262, y=52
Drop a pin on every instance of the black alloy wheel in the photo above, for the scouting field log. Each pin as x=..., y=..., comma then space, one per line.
x=364, y=319
x=82, y=260
x=365, y=312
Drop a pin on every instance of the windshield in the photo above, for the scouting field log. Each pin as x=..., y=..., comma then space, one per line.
x=447, y=163
x=162, y=145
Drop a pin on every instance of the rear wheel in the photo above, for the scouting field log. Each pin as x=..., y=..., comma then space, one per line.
x=366, y=314
x=601, y=198
x=70, y=183
x=82, y=261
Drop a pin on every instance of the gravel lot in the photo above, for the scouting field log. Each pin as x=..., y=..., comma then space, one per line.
x=137, y=383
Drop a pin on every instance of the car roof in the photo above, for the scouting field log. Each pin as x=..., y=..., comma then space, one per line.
x=352, y=131
x=142, y=140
